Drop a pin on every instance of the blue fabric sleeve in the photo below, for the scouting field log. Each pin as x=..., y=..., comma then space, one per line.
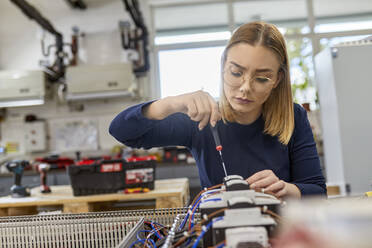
x=306, y=173
x=131, y=128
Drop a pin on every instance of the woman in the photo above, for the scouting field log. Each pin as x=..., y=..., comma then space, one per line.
x=265, y=137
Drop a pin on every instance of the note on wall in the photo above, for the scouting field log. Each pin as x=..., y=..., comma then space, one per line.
x=75, y=135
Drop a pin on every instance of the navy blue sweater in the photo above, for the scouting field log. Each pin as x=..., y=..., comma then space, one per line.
x=246, y=149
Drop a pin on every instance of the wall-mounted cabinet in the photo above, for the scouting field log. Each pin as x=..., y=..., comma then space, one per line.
x=21, y=88
x=99, y=81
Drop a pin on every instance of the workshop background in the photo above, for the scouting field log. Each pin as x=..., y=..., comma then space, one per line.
x=57, y=100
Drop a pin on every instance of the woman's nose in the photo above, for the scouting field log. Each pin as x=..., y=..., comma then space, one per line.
x=246, y=84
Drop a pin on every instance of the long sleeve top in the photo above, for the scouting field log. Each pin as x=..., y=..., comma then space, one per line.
x=246, y=148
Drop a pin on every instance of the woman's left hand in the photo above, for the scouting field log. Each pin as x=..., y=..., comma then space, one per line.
x=267, y=181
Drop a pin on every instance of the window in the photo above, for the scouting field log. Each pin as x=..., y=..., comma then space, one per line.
x=335, y=27
x=342, y=15
x=187, y=70
x=325, y=42
x=188, y=38
x=292, y=14
x=189, y=47
x=302, y=70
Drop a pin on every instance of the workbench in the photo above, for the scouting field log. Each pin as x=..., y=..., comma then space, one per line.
x=168, y=193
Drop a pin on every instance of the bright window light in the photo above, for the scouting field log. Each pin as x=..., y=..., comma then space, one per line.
x=345, y=26
x=337, y=40
x=188, y=70
x=176, y=39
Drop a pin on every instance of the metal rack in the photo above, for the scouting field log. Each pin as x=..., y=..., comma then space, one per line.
x=99, y=229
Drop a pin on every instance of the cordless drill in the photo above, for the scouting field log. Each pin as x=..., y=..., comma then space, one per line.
x=17, y=167
x=43, y=168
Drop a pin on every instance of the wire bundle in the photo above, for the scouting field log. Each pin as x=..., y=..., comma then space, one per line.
x=189, y=233
x=154, y=233
x=186, y=236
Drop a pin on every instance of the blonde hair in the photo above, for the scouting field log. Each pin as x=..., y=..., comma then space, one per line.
x=277, y=110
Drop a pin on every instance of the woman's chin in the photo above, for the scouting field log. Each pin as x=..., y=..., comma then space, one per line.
x=239, y=109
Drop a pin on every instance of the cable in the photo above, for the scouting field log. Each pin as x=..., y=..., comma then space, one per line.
x=220, y=245
x=141, y=231
x=197, y=203
x=196, y=199
x=151, y=233
x=197, y=206
x=193, y=210
x=205, y=229
x=207, y=189
x=156, y=231
x=136, y=242
x=205, y=219
x=158, y=224
x=277, y=217
x=153, y=243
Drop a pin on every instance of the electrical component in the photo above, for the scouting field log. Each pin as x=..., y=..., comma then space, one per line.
x=245, y=207
x=252, y=198
x=232, y=177
x=236, y=184
x=246, y=217
x=246, y=237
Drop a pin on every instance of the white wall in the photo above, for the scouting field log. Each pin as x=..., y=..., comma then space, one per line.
x=20, y=49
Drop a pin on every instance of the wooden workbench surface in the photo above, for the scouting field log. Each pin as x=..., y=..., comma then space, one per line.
x=167, y=193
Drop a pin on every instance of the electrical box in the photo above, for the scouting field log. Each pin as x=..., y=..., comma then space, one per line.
x=21, y=88
x=35, y=136
x=99, y=81
x=343, y=75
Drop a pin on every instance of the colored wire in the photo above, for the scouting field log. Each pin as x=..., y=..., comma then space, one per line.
x=220, y=245
x=158, y=224
x=212, y=188
x=153, y=243
x=136, y=242
x=202, y=201
x=190, y=232
x=144, y=242
x=194, y=207
x=278, y=218
x=190, y=211
x=205, y=230
x=197, y=203
x=156, y=227
x=151, y=233
x=156, y=230
x=141, y=231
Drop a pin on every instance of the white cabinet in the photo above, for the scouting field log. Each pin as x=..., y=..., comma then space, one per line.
x=343, y=75
x=99, y=81
x=21, y=88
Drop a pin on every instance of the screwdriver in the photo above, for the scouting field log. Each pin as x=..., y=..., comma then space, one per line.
x=216, y=138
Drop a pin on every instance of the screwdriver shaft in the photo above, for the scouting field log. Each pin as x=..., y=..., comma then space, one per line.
x=223, y=163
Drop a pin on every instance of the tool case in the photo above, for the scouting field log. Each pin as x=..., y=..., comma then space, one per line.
x=111, y=176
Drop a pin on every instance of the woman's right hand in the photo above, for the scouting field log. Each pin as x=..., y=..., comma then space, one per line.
x=199, y=106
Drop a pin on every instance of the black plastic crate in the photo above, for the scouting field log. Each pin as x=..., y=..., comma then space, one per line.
x=110, y=176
